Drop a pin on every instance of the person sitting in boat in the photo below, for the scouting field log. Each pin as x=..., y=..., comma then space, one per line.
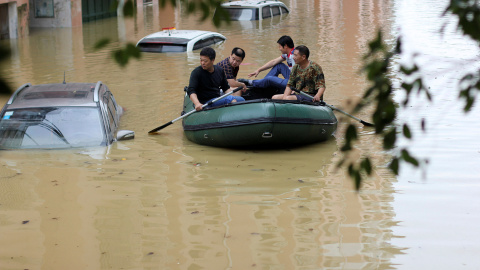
x=206, y=81
x=306, y=76
x=231, y=66
x=271, y=80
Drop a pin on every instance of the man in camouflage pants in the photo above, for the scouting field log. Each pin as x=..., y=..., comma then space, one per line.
x=306, y=76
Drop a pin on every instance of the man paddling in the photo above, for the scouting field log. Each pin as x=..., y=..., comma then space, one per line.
x=306, y=76
x=206, y=81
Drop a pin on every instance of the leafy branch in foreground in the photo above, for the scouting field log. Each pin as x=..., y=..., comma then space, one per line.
x=377, y=67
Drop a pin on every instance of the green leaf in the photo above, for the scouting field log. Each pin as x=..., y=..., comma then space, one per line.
x=101, y=43
x=409, y=71
x=394, y=166
x=358, y=181
x=389, y=139
x=366, y=165
x=205, y=11
x=120, y=57
x=408, y=158
x=351, y=133
x=191, y=7
x=132, y=51
x=406, y=131
x=346, y=147
x=351, y=170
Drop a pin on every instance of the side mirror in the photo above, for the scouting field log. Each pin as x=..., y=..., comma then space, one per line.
x=123, y=135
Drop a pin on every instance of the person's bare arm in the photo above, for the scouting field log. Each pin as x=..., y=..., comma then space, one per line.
x=268, y=65
x=196, y=102
x=319, y=94
x=287, y=92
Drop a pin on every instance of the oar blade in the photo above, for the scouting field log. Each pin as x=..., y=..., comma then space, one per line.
x=160, y=127
x=367, y=124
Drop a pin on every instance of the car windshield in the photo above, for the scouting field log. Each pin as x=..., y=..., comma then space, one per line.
x=51, y=127
x=243, y=14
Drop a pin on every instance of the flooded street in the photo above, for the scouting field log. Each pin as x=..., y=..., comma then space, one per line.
x=163, y=202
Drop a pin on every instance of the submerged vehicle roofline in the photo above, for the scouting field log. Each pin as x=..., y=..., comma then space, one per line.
x=15, y=94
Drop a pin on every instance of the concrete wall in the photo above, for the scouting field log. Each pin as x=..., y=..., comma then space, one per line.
x=13, y=19
x=61, y=15
x=66, y=13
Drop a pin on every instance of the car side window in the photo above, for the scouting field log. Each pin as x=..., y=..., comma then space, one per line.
x=284, y=10
x=112, y=111
x=204, y=43
x=266, y=12
x=275, y=10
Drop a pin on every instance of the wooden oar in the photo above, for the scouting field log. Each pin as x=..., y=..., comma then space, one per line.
x=193, y=111
x=334, y=108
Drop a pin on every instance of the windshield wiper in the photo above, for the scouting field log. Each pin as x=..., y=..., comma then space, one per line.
x=54, y=129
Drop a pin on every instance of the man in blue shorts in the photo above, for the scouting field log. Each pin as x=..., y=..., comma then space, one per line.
x=271, y=80
x=206, y=81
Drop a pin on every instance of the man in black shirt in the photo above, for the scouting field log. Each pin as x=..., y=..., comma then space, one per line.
x=206, y=81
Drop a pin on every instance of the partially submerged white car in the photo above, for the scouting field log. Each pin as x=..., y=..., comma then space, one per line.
x=254, y=10
x=172, y=40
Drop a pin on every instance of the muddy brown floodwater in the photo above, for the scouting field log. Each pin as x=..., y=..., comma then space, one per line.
x=162, y=202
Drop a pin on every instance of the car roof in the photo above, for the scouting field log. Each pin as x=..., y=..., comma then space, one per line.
x=250, y=3
x=54, y=95
x=177, y=36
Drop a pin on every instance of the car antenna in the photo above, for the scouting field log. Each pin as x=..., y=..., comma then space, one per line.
x=64, y=77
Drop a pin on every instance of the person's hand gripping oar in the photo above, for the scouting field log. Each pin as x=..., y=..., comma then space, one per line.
x=193, y=111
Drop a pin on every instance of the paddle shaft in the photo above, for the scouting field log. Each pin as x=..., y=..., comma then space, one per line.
x=194, y=110
x=334, y=108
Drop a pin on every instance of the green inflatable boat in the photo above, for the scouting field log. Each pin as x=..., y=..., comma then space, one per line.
x=259, y=122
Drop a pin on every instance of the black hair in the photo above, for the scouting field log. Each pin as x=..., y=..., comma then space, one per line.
x=239, y=52
x=286, y=40
x=208, y=52
x=303, y=50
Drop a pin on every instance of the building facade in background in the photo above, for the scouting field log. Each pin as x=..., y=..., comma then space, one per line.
x=17, y=16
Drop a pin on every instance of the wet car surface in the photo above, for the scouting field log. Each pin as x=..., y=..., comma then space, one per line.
x=172, y=40
x=254, y=10
x=63, y=115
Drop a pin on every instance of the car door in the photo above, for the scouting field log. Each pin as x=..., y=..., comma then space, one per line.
x=275, y=10
x=204, y=42
x=266, y=13
x=106, y=117
x=111, y=113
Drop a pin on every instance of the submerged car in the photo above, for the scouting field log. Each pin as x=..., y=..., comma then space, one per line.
x=253, y=10
x=172, y=40
x=63, y=115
